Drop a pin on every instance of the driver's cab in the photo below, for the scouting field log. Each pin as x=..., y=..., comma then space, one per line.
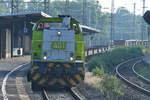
x=65, y=24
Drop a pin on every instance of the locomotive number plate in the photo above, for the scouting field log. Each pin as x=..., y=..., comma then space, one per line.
x=58, y=45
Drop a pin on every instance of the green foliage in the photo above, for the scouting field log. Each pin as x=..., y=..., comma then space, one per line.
x=146, y=50
x=110, y=87
x=98, y=72
x=109, y=60
x=143, y=69
x=3, y=8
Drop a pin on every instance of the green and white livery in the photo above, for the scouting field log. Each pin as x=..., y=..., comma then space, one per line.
x=57, y=53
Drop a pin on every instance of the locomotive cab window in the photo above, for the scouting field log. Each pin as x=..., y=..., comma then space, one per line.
x=56, y=25
x=75, y=28
x=40, y=26
x=53, y=25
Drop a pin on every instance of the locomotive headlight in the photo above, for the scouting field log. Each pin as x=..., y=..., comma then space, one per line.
x=44, y=57
x=71, y=58
x=59, y=33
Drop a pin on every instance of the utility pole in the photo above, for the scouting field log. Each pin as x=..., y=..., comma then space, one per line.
x=112, y=35
x=46, y=6
x=89, y=16
x=67, y=11
x=14, y=6
x=84, y=13
x=134, y=21
x=142, y=20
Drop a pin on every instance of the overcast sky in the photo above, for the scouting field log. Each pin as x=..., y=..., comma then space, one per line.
x=106, y=4
x=125, y=3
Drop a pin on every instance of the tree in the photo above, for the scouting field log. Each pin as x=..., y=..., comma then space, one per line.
x=4, y=8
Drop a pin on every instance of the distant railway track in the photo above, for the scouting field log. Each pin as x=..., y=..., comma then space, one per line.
x=140, y=76
x=73, y=93
x=125, y=71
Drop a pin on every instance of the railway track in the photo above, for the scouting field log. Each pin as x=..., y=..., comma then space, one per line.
x=140, y=76
x=72, y=94
x=125, y=71
x=44, y=95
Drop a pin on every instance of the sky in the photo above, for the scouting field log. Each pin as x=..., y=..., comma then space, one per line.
x=106, y=5
x=125, y=3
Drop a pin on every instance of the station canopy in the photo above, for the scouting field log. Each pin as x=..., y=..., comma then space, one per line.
x=29, y=17
x=7, y=21
x=88, y=30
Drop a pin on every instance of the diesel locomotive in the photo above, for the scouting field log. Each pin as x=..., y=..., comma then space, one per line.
x=57, y=55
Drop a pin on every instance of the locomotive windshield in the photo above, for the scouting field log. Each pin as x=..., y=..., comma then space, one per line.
x=50, y=26
x=53, y=26
x=65, y=24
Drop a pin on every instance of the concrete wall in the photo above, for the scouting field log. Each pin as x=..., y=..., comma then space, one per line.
x=8, y=43
x=5, y=43
x=27, y=45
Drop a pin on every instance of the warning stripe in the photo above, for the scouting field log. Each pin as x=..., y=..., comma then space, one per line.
x=67, y=65
x=82, y=70
x=36, y=76
x=62, y=82
x=34, y=68
x=53, y=81
x=78, y=77
x=50, y=64
x=72, y=82
x=42, y=81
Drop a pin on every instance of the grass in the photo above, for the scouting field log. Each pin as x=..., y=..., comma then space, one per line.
x=104, y=65
x=109, y=60
x=143, y=69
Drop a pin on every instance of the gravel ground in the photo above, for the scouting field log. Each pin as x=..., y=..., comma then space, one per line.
x=59, y=95
x=17, y=87
x=88, y=87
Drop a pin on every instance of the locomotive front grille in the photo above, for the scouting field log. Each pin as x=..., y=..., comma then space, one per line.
x=57, y=73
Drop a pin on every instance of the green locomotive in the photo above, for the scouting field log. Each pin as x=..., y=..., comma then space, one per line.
x=57, y=53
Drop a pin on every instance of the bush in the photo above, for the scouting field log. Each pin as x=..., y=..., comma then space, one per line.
x=110, y=87
x=98, y=71
x=109, y=60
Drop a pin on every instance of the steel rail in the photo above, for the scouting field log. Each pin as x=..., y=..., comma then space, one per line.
x=75, y=95
x=137, y=87
x=44, y=95
x=140, y=76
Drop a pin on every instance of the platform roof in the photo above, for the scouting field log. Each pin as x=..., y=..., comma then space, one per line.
x=89, y=30
x=7, y=20
x=30, y=16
